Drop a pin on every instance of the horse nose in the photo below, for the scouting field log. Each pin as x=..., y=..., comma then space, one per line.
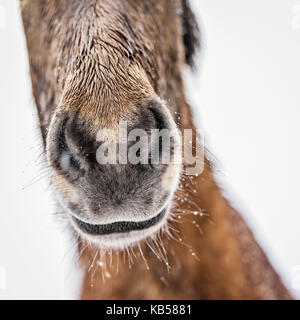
x=105, y=191
x=146, y=139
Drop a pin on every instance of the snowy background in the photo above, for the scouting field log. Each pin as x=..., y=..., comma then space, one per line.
x=247, y=98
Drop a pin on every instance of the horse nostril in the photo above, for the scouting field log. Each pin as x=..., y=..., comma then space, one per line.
x=62, y=154
x=68, y=161
x=159, y=119
x=162, y=137
x=61, y=139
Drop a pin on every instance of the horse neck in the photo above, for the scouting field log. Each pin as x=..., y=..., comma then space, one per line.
x=208, y=252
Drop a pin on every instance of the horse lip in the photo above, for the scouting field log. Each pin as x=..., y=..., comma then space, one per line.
x=117, y=227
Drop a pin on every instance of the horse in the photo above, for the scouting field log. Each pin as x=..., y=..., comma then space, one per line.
x=142, y=230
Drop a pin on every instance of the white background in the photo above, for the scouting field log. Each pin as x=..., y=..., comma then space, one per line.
x=246, y=96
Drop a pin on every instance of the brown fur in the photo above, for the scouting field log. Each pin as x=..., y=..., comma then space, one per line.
x=103, y=73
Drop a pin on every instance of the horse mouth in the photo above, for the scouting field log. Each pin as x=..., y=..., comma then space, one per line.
x=118, y=227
